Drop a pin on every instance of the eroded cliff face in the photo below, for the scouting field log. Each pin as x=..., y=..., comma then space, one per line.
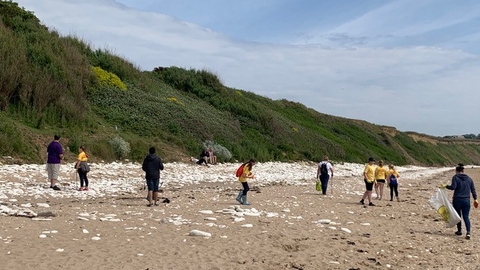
x=451, y=150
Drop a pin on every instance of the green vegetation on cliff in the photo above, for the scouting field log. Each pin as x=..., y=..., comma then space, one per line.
x=53, y=84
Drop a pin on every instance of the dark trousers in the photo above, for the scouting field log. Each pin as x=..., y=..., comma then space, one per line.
x=246, y=188
x=324, y=180
x=202, y=161
x=83, y=178
x=393, y=188
x=462, y=206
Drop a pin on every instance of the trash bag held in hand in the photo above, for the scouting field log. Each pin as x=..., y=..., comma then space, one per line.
x=318, y=185
x=440, y=202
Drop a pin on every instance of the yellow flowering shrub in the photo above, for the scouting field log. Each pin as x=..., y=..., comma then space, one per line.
x=239, y=92
x=175, y=100
x=295, y=129
x=108, y=79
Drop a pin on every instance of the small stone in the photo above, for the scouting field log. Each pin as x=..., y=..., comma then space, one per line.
x=247, y=225
x=47, y=214
x=42, y=236
x=346, y=230
x=324, y=221
x=210, y=218
x=199, y=233
x=95, y=238
x=41, y=219
x=46, y=205
x=85, y=231
x=206, y=212
x=365, y=224
x=59, y=250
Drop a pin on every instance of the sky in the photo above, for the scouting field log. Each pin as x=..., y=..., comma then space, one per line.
x=410, y=64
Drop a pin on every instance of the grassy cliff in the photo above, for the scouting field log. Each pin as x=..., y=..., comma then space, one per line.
x=52, y=84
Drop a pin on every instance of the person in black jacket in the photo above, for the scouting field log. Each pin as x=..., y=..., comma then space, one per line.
x=152, y=165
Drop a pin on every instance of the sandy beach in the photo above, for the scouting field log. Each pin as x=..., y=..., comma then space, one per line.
x=288, y=225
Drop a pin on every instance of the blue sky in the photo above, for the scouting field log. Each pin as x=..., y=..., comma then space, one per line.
x=411, y=64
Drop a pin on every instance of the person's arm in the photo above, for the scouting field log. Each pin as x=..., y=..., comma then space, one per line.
x=144, y=165
x=160, y=166
x=79, y=160
x=60, y=151
x=474, y=192
x=331, y=169
x=365, y=173
x=318, y=171
x=453, y=186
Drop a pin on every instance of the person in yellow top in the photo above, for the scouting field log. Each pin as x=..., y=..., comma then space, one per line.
x=369, y=179
x=392, y=180
x=82, y=168
x=246, y=174
x=380, y=176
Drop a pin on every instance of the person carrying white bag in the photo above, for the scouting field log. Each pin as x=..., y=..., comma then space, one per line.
x=462, y=185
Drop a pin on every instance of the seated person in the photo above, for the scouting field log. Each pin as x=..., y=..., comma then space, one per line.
x=199, y=161
x=205, y=155
x=212, y=158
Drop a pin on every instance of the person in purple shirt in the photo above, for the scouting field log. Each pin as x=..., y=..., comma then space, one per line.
x=54, y=159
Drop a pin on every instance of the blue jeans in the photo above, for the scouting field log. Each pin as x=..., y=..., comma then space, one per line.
x=324, y=180
x=462, y=206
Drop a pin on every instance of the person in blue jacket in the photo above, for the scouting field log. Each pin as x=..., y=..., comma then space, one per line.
x=462, y=185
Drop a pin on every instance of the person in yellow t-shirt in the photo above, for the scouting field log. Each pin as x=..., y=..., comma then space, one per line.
x=247, y=173
x=369, y=179
x=82, y=157
x=393, y=181
x=380, y=176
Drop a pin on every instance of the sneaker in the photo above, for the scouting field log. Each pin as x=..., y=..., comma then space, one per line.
x=371, y=204
x=458, y=233
x=55, y=188
x=86, y=189
x=362, y=201
x=81, y=189
x=467, y=236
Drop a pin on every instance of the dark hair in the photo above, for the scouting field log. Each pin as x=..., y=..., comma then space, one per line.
x=459, y=167
x=83, y=149
x=56, y=137
x=151, y=150
x=250, y=163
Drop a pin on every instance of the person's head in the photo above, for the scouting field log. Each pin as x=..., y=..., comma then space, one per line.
x=371, y=160
x=82, y=148
x=151, y=150
x=380, y=163
x=325, y=158
x=250, y=163
x=56, y=137
x=390, y=166
x=460, y=168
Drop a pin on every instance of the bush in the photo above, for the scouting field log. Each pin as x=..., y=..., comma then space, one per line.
x=121, y=148
x=221, y=152
x=108, y=79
